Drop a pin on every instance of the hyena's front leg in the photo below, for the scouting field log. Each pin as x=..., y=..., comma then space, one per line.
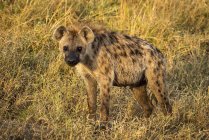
x=91, y=86
x=104, y=97
x=104, y=75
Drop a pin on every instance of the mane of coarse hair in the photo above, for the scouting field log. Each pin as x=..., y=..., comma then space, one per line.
x=103, y=36
x=96, y=28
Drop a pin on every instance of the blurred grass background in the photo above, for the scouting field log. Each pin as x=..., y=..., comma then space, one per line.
x=42, y=98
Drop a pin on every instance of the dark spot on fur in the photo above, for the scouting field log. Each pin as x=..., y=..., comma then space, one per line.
x=115, y=55
x=118, y=47
x=113, y=32
x=98, y=41
x=107, y=99
x=127, y=37
x=133, y=45
x=105, y=55
x=103, y=61
x=87, y=76
x=95, y=51
x=152, y=54
x=122, y=47
x=159, y=63
x=106, y=70
x=159, y=91
x=156, y=70
x=103, y=36
x=157, y=83
x=101, y=40
x=109, y=79
x=132, y=52
x=158, y=51
x=133, y=60
x=113, y=38
x=114, y=49
x=107, y=50
x=93, y=46
x=124, y=54
x=137, y=52
x=108, y=90
x=88, y=61
x=149, y=61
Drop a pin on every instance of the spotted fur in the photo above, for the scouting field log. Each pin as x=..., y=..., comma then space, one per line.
x=112, y=59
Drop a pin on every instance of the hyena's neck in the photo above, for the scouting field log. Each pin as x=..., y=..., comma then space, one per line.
x=105, y=39
x=89, y=59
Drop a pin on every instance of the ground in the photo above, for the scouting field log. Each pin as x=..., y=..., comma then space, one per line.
x=42, y=98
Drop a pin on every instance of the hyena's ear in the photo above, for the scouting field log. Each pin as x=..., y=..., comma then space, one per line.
x=59, y=32
x=87, y=34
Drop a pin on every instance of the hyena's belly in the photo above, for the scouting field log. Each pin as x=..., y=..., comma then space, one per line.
x=129, y=75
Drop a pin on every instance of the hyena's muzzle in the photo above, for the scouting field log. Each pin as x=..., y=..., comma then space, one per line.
x=72, y=58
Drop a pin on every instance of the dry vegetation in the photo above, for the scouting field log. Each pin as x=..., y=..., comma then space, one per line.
x=42, y=98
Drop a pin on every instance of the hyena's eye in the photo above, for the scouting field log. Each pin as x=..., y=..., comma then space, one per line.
x=79, y=48
x=65, y=48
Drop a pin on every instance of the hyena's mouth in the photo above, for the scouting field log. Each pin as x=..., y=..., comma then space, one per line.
x=73, y=63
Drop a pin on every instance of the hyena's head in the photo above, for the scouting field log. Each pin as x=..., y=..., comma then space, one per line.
x=73, y=44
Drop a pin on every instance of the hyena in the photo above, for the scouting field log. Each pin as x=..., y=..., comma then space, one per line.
x=105, y=59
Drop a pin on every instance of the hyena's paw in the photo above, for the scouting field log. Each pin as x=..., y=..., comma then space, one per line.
x=166, y=108
x=91, y=118
x=148, y=112
x=102, y=126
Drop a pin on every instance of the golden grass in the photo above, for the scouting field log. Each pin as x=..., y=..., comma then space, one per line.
x=42, y=98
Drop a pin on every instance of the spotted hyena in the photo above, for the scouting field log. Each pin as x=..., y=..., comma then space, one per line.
x=107, y=59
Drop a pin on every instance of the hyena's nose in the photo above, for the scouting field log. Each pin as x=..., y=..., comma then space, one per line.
x=71, y=60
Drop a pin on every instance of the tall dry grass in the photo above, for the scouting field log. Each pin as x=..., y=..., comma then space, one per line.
x=42, y=98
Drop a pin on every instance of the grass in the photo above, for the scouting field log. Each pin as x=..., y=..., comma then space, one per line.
x=42, y=98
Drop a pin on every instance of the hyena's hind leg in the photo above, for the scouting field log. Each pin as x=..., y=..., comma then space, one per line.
x=156, y=82
x=140, y=95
